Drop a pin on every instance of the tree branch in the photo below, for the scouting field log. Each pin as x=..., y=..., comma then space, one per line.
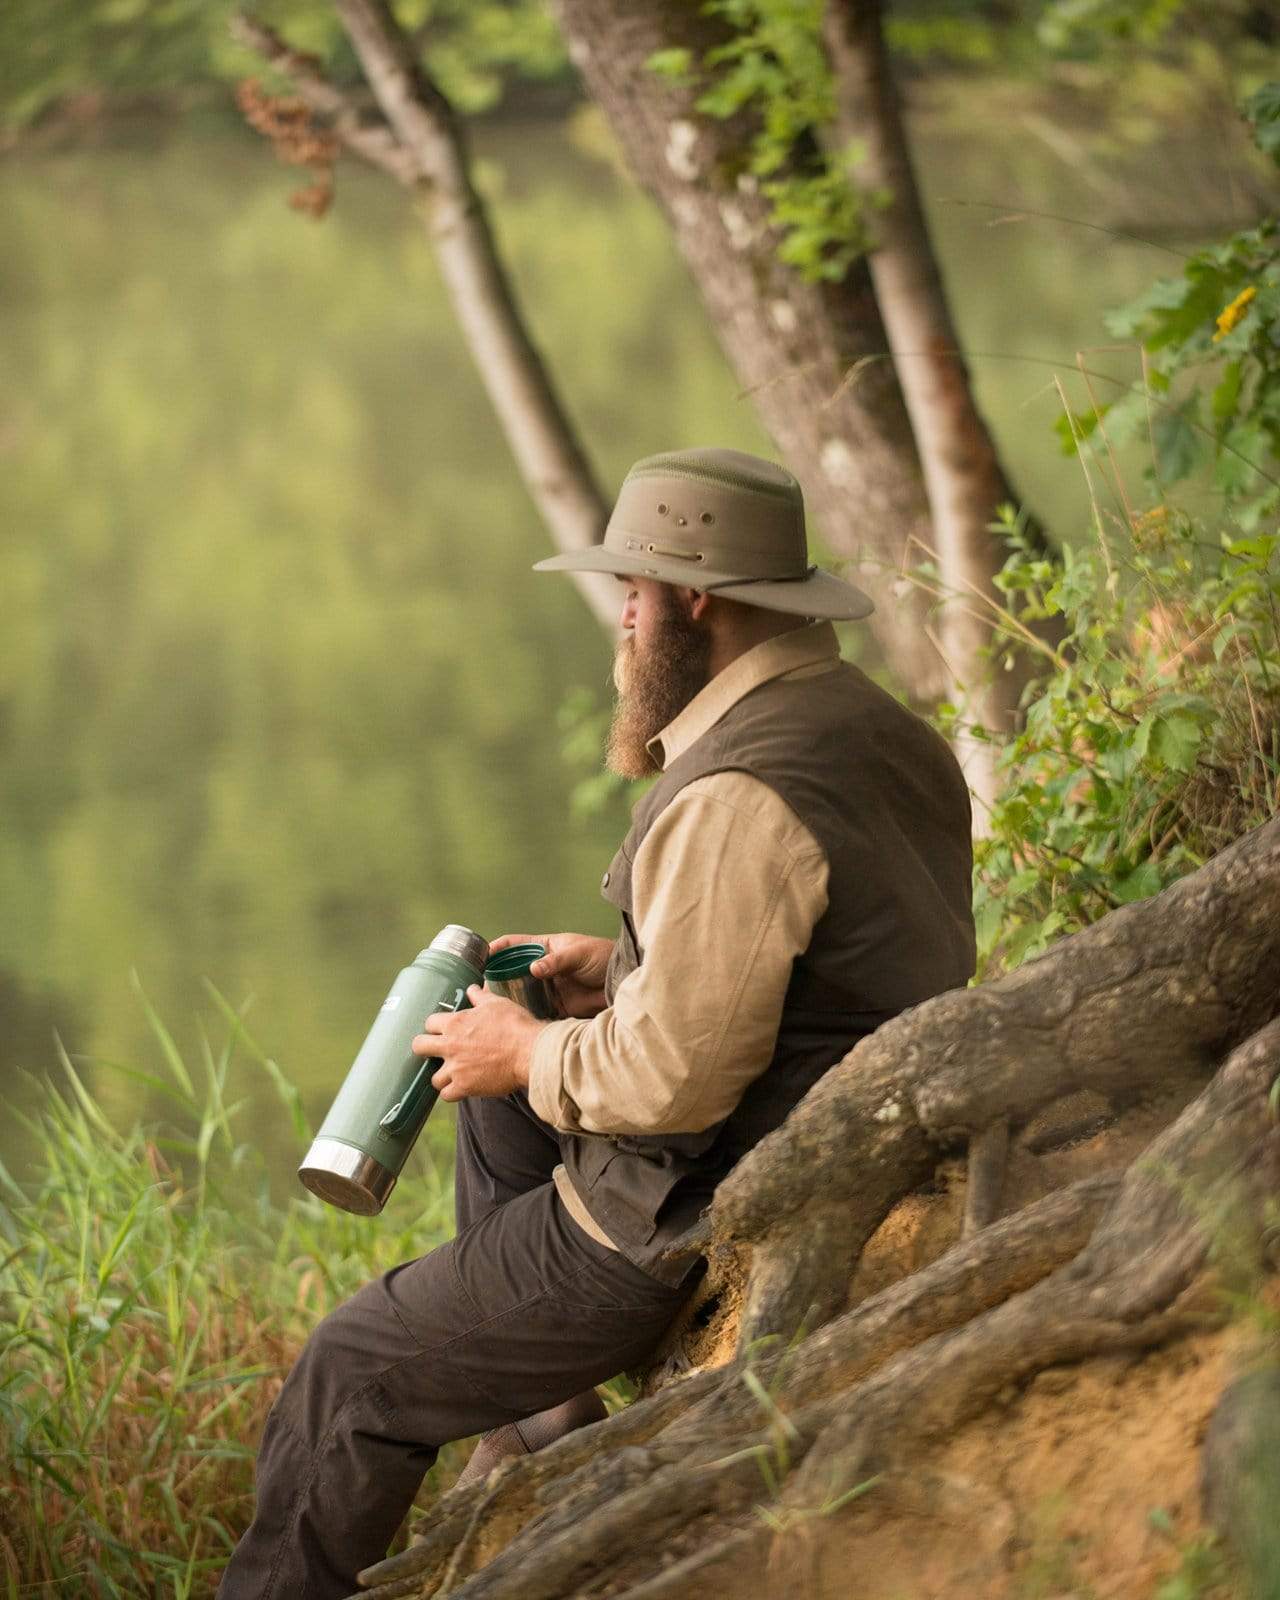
x=372, y=141
x=988, y=1150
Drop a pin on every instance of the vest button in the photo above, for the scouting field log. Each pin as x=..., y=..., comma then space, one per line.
x=604, y=882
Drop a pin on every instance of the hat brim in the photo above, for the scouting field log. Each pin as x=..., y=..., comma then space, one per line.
x=821, y=594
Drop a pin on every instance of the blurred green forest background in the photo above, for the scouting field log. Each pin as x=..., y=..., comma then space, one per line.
x=278, y=692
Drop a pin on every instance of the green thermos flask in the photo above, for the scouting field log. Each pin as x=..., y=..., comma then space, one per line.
x=365, y=1140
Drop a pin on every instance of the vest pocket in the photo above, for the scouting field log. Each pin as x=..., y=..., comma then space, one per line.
x=623, y=1199
x=592, y=1153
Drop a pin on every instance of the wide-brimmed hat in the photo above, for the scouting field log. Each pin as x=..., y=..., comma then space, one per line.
x=720, y=520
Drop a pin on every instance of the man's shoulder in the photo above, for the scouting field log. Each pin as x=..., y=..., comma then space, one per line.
x=805, y=712
x=754, y=805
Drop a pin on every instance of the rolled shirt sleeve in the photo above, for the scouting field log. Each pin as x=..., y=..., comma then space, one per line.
x=727, y=886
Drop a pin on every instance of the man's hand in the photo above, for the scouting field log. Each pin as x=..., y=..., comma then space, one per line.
x=574, y=965
x=485, y=1051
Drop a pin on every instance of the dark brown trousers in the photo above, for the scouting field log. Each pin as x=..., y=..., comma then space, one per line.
x=518, y=1312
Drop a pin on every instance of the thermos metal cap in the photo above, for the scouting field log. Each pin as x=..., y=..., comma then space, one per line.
x=346, y=1177
x=463, y=943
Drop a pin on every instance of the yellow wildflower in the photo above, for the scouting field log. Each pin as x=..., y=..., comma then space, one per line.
x=1230, y=315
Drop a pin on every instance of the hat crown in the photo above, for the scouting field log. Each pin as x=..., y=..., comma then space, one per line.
x=724, y=512
x=734, y=469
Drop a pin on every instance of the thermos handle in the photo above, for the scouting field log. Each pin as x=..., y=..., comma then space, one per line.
x=406, y=1108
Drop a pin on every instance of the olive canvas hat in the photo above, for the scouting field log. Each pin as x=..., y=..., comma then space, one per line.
x=718, y=520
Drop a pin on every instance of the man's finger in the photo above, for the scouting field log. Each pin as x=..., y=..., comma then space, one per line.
x=441, y=1078
x=480, y=996
x=504, y=940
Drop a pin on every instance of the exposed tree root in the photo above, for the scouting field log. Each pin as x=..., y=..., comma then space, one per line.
x=698, y=1485
x=1154, y=992
x=988, y=1151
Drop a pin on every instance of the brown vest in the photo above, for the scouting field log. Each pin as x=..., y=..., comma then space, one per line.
x=883, y=795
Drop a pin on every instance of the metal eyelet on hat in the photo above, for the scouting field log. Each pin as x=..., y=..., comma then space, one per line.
x=707, y=518
x=678, y=555
x=663, y=508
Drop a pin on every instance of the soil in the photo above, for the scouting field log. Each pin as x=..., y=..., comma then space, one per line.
x=1070, y=1140
x=1051, y=1495
x=926, y=1224
x=1083, y=1485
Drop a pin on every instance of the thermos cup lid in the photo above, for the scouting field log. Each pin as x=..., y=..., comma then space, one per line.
x=514, y=961
x=508, y=974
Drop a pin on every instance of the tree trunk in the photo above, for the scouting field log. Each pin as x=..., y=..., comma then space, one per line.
x=421, y=144
x=962, y=473
x=661, y=1500
x=794, y=345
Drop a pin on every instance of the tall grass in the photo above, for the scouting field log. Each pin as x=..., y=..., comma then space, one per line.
x=152, y=1297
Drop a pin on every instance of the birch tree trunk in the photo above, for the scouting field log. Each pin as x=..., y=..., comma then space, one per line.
x=962, y=473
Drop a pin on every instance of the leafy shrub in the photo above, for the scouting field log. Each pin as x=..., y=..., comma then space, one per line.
x=1210, y=395
x=1151, y=739
x=1152, y=732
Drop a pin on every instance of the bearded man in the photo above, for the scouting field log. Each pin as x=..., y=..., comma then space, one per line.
x=799, y=873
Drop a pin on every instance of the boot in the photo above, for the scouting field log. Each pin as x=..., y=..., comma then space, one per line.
x=532, y=1433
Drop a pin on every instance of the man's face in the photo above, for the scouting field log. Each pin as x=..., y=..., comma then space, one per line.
x=661, y=662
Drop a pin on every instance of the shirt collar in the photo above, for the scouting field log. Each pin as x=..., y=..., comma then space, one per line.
x=799, y=647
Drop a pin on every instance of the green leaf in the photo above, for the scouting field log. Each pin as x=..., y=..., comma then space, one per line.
x=1262, y=109
x=1244, y=454
x=1074, y=427
x=1140, y=884
x=1181, y=311
x=1226, y=393
x=1179, y=446
x=1119, y=763
x=1140, y=743
x=169, y=1050
x=1161, y=1521
x=675, y=64
x=1165, y=294
x=1175, y=739
x=988, y=920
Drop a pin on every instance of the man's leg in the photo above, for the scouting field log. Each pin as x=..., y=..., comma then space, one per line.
x=518, y=1313
x=503, y=1149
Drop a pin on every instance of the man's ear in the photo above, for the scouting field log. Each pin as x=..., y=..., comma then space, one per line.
x=699, y=604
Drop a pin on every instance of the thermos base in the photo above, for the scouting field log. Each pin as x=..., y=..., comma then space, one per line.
x=346, y=1177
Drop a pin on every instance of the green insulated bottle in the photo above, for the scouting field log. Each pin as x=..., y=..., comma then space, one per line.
x=365, y=1140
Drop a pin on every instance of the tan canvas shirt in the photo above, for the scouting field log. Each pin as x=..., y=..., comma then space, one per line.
x=728, y=885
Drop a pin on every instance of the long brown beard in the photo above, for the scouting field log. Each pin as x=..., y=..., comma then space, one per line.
x=653, y=687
